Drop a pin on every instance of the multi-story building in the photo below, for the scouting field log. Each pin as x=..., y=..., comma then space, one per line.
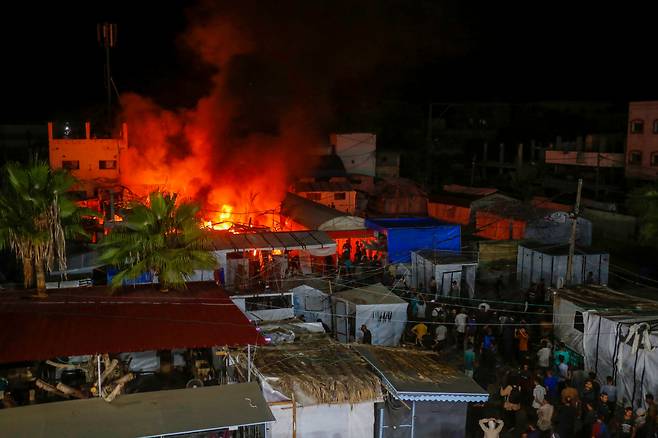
x=642, y=142
x=93, y=161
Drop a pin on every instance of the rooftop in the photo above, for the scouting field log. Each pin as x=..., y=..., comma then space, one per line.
x=147, y=414
x=371, y=294
x=314, y=215
x=283, y=240
x=445, y=257
x=418, y=375
x=613, y=304
x=317, y=370
x=91, y=320
x=552, y=249
x=323, y=186
x=406, y=222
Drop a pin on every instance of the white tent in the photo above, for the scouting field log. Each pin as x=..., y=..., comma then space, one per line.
x=445, y=267
x=383, y=312
x=311, y=301
x=617, y=334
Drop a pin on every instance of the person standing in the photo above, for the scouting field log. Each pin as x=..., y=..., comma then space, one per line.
x=652, y=414
x=440, y=335
x=491, y=427
x=538, y=394
x=460, y=327
x=544, y=416
x=610, y=389
x=543, y=356
x=626, y=426
x=367, y=335
x=524, y=338
x=469, y=360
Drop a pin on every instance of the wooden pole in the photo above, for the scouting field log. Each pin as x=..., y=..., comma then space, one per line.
x=572, y=239
x=294, y=416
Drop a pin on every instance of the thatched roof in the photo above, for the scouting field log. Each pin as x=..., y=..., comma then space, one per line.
x=318, y=370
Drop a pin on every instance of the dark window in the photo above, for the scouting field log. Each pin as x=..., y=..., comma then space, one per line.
x=71, y=164
x=578, y=322
x=107, y=164
x=635, y=157
x=339, y=196
x=654, y=158
x=314, y=196
x=637, y=126
x=655, y=126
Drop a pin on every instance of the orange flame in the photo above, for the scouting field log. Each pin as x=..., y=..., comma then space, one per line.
x=222, y=221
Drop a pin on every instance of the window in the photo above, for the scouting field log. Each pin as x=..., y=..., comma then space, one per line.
x=578, y=322
x=107, y=164
x=313, y=303
x=635, y=157
x=71, y=164
x=654, y=159
x=655, y=126
x=339, y=196
x=637, y=126
x=314, y=196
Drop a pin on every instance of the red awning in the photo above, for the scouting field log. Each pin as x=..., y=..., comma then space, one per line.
x=88, y=321
x=351, y=234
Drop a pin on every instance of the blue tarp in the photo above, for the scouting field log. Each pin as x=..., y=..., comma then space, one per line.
x=145, y=278
x=411, y=234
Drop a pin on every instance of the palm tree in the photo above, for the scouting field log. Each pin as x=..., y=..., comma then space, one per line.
x=36, y=217
x=158, y=237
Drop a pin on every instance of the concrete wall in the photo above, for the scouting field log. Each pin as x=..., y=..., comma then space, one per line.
x=347, y=205
x=357, y=151
x=589, y=159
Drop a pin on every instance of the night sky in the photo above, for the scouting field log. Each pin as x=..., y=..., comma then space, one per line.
x=349, y=53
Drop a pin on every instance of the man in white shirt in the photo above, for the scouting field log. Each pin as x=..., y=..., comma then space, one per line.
x=460, y=327
x=440, y=337
x=544, y=356
x=538, y=394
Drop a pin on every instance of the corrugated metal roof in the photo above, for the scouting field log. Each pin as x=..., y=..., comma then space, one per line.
x=420, y=376
x=82, y=321
x=150, y=414
x=225, y=241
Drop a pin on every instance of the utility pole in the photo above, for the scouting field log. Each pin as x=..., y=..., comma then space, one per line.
x=598, y=171
x=572, y=239
x=473, y=171
x=107, y=38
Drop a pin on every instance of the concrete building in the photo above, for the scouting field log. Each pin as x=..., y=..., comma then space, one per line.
x=93, y=161
x=357, y=151
x=642, y=142
x=336, y=193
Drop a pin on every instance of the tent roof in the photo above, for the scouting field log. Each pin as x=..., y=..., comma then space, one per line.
x=371, y=294
x=609, y=302
x=316, y=216
x=283, y=240
x=439, y=257
x=82, y=321
x=417, y=375
x=142, y=415
x=559, y=250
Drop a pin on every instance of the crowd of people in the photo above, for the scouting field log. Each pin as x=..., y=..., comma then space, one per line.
x=537, y=387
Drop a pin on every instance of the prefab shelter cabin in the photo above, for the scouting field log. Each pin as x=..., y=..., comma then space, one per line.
x=312, y=301
x=445, y=267
x=331, y=387
x=383, y=312
x=404, y=235
x=616, y=333
x=428, y=397
x=398, y=196
x=536, y=261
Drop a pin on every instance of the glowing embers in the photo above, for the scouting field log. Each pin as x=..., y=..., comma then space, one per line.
x=222, y=221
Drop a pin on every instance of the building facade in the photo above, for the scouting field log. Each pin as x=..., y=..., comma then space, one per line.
x=642, y=142
x=93, y=161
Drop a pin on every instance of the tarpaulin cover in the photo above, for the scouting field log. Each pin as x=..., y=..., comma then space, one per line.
x=410, y=234
x=88, y=321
